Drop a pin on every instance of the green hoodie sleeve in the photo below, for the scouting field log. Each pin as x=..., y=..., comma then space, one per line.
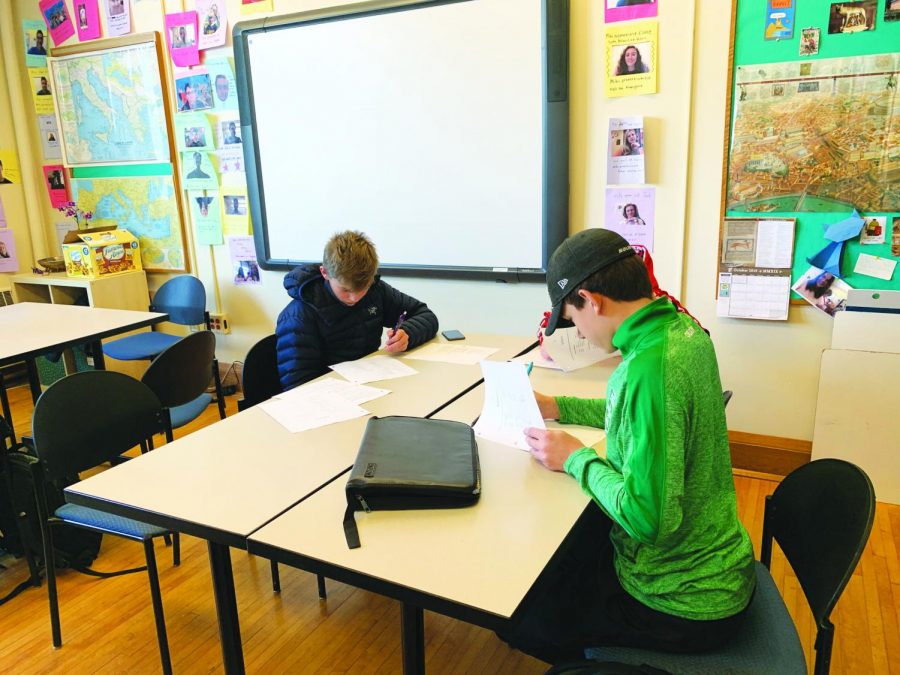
x=638, y=494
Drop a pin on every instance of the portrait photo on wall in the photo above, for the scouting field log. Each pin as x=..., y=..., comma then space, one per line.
x=631, y=59
x=852, y=17
x=235, y=205
x=195, y=137
x=822, y=290
x=194, y=92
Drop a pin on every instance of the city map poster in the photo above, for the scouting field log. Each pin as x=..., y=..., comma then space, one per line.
x=816, y=136
x=111, y=108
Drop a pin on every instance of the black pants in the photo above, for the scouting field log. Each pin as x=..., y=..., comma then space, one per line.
x=577, y=603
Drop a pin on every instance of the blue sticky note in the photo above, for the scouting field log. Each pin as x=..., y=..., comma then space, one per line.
x=845, y=229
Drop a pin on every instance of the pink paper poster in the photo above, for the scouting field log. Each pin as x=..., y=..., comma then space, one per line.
x=56, y=185
x=9, y=261
x=87, y=19
x=59, y=23
x=181, y=36
x=624, y=10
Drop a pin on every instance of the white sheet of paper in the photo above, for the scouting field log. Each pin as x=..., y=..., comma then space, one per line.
x=355, y=394
x=466, y=355
x=572, y=352
x=774, y=243
x=372, y=369
x=509, y=404
x=534, y=356
x=874, y=266
x=308, y=412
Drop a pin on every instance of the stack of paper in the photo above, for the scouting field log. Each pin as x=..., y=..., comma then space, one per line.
x=320, y=403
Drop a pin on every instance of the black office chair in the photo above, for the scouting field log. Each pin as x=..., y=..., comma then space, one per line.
x=183, y=298
x=67, y=442
x=260, y=382
x=820, y=515
x=726, y=396
x=179, y=376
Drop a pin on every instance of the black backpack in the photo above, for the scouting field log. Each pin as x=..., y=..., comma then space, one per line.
x=21, y=529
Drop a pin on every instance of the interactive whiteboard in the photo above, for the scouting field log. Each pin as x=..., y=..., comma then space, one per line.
x=438, y=128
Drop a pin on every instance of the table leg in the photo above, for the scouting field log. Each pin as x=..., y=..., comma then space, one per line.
x=226, y=608
x=97, y=353
x=412, y=627
x=34, y=380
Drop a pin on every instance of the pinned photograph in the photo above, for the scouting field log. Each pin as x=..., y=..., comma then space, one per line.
x=625, y=161
x=892, y=10
x=807, y=86
x=630, y=212
x=631, y=58
x=852, y=17
x=195, y=137
x=36, y=39
x=809, y=41
x=181, y=35
x=229, y=132
x=235, y=205
x=56, y=15
x=213, y=23
x=194, y=92
x=874, y=230
x=822, y=290
x=625, y=10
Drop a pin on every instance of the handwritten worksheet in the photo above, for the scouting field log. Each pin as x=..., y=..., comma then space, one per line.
x=306, y=411
x=509, y=404
x=347, y=392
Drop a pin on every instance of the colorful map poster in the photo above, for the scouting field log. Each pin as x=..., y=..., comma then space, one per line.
x=145, y=206
x=111, y=106
x=816, y=136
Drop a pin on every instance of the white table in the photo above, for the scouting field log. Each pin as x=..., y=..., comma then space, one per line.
x=475, y=564
x=30, y=329
x=225, y=481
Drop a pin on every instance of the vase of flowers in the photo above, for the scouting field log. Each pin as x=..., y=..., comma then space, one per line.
x=81, y=216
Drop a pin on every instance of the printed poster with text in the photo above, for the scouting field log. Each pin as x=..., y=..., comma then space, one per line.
x=631, y=58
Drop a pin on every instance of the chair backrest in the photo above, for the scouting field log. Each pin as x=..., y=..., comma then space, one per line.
x=821, y=515
x=91, y=417
x=726, y=396
x=183, y=371
x=183, y=298
x=260, y=380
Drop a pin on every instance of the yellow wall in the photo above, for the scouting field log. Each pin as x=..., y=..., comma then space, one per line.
x=772, y=366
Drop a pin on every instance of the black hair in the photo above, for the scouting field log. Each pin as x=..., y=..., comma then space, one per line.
x=623, y=281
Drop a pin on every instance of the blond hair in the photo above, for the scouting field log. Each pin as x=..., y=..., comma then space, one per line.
x=350, y=259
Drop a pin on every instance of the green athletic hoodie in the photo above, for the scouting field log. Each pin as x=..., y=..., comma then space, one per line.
x=666, y=481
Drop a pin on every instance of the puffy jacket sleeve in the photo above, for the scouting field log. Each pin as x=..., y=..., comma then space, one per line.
x=301, y=354
x=421, y=323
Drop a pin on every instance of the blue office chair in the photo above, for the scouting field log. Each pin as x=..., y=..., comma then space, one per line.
x=820, y=515
x=183, y=298
x=179, y=376
x=68, y=442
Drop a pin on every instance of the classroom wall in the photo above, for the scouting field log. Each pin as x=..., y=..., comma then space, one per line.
x=772, y=367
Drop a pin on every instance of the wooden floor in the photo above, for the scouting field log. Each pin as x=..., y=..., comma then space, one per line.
x=107, y=624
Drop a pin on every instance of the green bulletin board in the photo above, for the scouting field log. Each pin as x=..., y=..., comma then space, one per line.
x=750, y=48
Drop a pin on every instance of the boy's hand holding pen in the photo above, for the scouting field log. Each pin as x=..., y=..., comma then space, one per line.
x=397, y=340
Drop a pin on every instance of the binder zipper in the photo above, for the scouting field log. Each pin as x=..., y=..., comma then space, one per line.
x=362, y=503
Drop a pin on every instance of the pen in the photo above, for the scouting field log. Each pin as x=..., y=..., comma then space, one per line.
x=400, y=320
x=530, y=366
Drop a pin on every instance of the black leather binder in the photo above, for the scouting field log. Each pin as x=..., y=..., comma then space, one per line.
x=412, y=463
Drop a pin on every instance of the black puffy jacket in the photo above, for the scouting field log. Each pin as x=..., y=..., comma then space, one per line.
x=317, y=330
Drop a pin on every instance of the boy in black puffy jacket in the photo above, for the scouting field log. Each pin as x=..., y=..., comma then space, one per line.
x=339, y=309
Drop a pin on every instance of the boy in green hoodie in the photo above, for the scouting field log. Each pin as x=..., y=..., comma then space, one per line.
x=659, y=559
